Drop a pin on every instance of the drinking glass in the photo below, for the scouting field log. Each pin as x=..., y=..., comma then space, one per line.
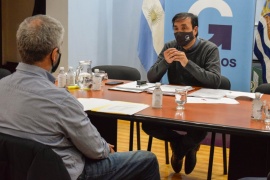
x=180, y=98
x=179, y=115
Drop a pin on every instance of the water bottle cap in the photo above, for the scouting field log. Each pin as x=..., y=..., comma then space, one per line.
x=96, y=70
x=158, y=84
x=257, y=95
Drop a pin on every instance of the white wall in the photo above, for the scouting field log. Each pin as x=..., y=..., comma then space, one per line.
x=59, y=10
x=105, y=32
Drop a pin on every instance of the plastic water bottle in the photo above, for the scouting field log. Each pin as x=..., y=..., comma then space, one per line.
x=257, y=107
x=62, y=78
x=96, y=80
x=70, y=77
x=157, y=96
x=264, y=110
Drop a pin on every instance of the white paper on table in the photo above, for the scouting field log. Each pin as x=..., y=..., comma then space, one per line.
x=211, y=100
x=91, y=103
x=115, y=107
x=209, y=93
x=169, y=89
x=235, y=94
x=132, y=87
x=120, y=107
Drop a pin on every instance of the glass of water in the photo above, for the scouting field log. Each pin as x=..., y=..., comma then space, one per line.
x=180, y=98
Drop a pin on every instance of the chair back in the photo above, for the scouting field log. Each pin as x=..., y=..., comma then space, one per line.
x=120, y=72
x=225, y=83
x=263, y=88
x=24, y=159
x=4, y=73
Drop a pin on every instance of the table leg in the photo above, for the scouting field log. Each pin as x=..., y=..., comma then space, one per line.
x=107, y=127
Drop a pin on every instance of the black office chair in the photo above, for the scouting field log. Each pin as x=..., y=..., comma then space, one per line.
x=4, y=73
x=26, y=159
x=124, y=73
x=120, y=72
x=256, y=178
x=225, y=84
x=263, y=88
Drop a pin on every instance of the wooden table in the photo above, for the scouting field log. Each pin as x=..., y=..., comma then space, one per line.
x=249, y=141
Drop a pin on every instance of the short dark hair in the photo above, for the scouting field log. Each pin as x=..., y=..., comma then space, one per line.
x=184, y=15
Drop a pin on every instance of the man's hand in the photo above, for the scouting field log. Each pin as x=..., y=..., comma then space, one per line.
x=173, y=54
x=111, y=148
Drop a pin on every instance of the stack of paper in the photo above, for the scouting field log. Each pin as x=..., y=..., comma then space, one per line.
x=169, y=89
x=107, y=106
x=133, y=87
x=235, y=94
x=211, y=100
x=209, y=93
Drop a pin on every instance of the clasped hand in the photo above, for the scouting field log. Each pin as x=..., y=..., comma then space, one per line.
x=173, y=54
x=111, y=148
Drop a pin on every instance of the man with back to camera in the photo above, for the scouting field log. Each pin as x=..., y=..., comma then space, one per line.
x=36, y=109
x=188, y=60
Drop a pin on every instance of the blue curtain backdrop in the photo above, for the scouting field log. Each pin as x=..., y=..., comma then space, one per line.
x=225, y=24
x=105, y=32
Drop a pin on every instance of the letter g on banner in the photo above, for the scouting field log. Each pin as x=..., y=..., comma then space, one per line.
x=220, y=5
x=218, y=31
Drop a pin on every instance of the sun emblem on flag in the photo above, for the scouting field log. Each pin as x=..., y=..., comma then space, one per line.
x=266, y=14
x=154, y=14
x=266, y=8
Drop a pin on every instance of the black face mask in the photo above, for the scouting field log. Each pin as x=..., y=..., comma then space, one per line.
x=183, y=38
x=54, y=67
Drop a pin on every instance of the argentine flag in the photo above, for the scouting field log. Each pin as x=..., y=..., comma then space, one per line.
x=262, y=48
x=151, y=37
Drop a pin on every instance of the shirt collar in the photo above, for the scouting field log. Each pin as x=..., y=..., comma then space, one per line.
x=28, y=68
x=192, y=47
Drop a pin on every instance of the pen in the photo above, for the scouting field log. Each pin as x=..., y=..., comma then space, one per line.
x=138, y=86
